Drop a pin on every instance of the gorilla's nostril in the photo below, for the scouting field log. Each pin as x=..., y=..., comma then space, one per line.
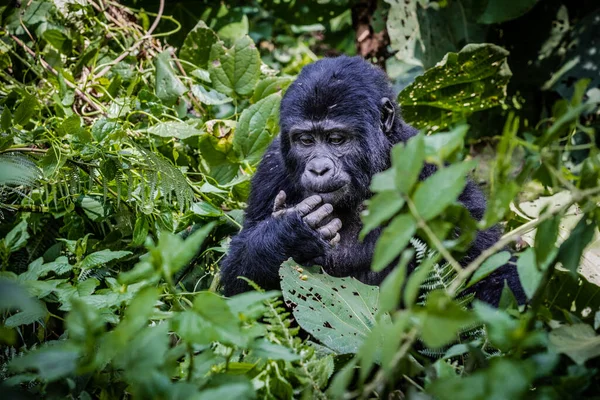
x=320, y=171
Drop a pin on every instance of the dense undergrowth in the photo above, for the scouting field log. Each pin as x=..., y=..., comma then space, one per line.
x=125, y=163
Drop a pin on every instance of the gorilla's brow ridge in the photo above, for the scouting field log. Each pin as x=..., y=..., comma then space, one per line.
x=327, y=125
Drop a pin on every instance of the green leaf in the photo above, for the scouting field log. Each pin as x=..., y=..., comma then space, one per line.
x=437, y=192
x=380, y=208
x=168, y=86
x=25, y=110
x=498, y=11
x=58, y=40
x=174, y=129
x=471, y=80
x=49, y=363
x=529, y=273
x=393, y=240
x=168, y=257
x=545, y=240
x=442, y=319
x=205, y=209
x=503, y=379
x=14, y=297
x=391, y=287
x=93, y=208
x=102, y=257
x=256, y=129
x=18, y=170
x=270, y=86
x=17, y=237
x=407, y=161
x=339, y=312
x=578, y=341
x=571, y=250
x=235, y=70
x=271, y=351
x=443, y=145
x=197, y=44
x=490, y=265
x=415, y=279
x=210, y=320
x=210, y=97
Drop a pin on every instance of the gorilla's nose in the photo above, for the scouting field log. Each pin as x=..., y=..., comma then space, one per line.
x=320, y=167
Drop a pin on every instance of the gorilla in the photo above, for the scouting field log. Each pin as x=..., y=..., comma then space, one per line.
x=338, y=124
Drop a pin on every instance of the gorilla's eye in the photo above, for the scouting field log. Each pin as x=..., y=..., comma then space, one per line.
x=336, y=139
x=306, y=140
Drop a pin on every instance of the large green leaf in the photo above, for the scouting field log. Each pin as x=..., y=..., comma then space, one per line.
x=579, y=342
x=471, y=80
x=381, y=207
x=256, y=129
x=393, y=240
x=437, y=192
x=442, y=319
x=168, y=86
x=102, y=257
x=174, y=129
x=197, y=44
x=504, y=10
x=339, y=312
x=235, y=70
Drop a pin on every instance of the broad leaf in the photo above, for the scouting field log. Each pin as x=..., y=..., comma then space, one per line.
x=471, y=80
x=393, y=240
x=381, y=207
x=339, y=312
x=174, y=129
x=235, y=70
x=197, y=44
x=210, y=97
x=440, y=190
x=168, y=86
x=102, y=257
x=579, y=342
x=407, y=162
x=489, y=266
x=256, y=129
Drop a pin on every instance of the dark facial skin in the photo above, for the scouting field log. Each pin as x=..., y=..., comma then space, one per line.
x=323, y=145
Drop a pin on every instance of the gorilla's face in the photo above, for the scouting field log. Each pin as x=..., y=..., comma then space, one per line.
x=325, y=150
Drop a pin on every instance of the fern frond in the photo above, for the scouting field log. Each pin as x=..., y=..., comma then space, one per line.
x=18, y=170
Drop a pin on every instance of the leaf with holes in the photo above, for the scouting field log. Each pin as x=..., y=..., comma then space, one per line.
x=471, y=80
x=197, y=44
x=339, y=312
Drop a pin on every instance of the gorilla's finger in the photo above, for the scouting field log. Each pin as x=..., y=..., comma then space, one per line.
x=314, y=218
x=330, y=230
x=279, y=203
x=308, y=204
x=335, y=240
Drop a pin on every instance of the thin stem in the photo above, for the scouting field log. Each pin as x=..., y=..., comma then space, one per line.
x=432, y=236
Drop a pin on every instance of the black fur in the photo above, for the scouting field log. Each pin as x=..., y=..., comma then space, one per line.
x=348, y=90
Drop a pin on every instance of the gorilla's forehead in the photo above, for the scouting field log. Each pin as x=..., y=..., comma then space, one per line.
x=321, y=126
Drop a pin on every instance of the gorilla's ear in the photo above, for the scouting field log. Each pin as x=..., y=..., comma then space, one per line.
x=388, y=113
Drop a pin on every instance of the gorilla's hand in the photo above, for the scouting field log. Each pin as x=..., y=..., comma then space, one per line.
x=316, y=219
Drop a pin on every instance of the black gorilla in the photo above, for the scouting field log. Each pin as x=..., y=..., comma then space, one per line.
x=338, y=123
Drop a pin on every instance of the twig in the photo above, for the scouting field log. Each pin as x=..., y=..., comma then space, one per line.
x=48, y=67
x=136, y=44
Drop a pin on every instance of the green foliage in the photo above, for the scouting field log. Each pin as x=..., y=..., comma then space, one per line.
x=125, y=165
